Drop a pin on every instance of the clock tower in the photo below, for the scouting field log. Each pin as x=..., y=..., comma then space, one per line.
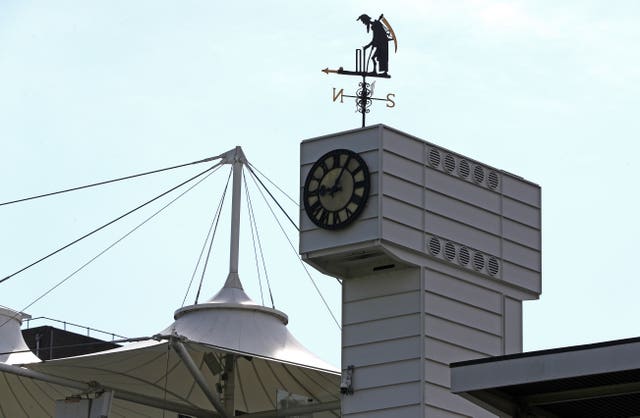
x=436, y=252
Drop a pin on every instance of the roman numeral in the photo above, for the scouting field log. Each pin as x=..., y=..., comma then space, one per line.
x=346, y=163
x=315, y=209
x=318, y=173
x=356, y=199
x=324, y=218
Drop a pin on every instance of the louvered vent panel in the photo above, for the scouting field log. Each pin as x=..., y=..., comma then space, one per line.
x=463, y=256
x=456, y=166
x=434, y=157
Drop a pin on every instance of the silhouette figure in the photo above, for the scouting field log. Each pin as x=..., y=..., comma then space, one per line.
x=379, y=43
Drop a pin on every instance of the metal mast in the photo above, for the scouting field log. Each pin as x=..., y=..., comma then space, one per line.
x=236, y=158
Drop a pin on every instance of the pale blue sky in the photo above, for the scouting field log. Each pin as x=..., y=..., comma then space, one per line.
x=93, y=90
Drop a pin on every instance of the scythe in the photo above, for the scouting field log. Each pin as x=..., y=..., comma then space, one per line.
x=393, y=34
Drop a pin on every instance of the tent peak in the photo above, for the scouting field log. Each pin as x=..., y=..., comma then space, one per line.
x=233, y=295
x=233, y=281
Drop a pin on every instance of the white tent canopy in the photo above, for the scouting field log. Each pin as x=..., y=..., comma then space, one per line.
x=266, y=360
x=225, y=356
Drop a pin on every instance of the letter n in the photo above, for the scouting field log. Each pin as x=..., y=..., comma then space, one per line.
x=338, y=95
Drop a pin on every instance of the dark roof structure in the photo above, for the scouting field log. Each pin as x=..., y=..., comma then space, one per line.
x=586, y=381
x=50, y=343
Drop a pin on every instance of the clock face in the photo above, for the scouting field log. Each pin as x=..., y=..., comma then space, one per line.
x=336, y=189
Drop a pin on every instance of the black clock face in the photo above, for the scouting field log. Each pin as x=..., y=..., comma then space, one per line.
x=336, y=189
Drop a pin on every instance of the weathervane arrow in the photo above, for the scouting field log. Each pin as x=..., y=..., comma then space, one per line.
x=327, y=70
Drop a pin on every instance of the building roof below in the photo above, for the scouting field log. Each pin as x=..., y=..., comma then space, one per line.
x=594, y=380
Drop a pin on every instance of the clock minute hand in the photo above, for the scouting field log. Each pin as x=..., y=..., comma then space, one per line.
x=335, y=184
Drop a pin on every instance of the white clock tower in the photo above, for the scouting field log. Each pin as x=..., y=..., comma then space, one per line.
x=434, y=267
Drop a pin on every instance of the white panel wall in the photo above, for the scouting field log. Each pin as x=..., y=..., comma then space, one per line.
x=421, y=191
x=381, y=338
x=463, y=321
x=463, y=244
x=425, y=188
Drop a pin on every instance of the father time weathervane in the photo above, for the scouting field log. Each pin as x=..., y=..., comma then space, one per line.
x=378, y=59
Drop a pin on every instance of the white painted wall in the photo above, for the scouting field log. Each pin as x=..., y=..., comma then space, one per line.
x=464, y=239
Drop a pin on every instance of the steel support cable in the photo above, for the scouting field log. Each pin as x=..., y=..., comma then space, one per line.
x=204, y=244
x=213, y=170
x=101, y=183
x=324, y=301
x=274, y=185
x=217, y=218
x=254, y=230
x=166, y=379
x=195, y=269
x=264, y=264
x=253, y=238
x=109, y=223
x=273, y=198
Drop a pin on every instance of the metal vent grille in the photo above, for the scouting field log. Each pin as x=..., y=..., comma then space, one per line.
x=464, y=169
x=493, y=180
x=449, y=163
x=478, y=261
x=434, y=157
x=478, y=174
x=450, y=251
x=434, y=246
x=464, y=256
x=453, y=164
x=493, y=266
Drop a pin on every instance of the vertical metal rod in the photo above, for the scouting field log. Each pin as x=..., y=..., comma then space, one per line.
x=197, y=376
x=230, y=385
x=363, y=99
x=51, y=345
x=235, y=212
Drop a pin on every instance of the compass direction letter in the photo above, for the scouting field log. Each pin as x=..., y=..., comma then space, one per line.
x=390, y=101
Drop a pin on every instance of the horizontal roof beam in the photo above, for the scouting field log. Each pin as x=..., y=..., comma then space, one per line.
x=582, y=394
x=547, y=366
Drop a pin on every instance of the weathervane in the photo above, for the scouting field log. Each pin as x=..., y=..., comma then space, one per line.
x=376, y=64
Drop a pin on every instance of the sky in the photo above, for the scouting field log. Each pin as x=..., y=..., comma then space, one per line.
x=97, y=90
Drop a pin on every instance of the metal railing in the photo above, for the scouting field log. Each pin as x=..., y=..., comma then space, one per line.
x=83, y=327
